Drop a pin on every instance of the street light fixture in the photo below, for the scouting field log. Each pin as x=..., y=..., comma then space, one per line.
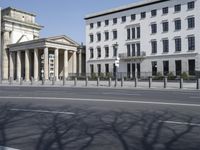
x=116, y=61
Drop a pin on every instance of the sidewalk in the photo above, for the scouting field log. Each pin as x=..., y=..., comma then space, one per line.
x=105, y=84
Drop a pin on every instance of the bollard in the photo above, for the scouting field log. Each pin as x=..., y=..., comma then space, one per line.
x=165, y=82
x=109, y=82
x=31, y=80
x=75, y=81
x=53, y=81
x=86, y=81
x=98, y=80
x=122, y=82
x=64, y=80
x=21, y=81
x=136, y=81
x=43, y=81
x=116, y=82
x=198, y=83
x=181, y=83
x=150, y=82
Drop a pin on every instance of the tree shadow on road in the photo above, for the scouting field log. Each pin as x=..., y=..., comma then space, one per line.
x=87, y=129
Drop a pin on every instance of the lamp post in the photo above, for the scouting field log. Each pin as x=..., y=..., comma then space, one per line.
x=80, y=51
x=115, y=46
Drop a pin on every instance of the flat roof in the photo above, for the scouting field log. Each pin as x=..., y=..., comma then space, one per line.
x=18, y=10
x=124, y=8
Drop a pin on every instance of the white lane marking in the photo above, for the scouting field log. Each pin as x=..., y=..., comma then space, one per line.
x=180, y=123
x=129, y=94
x=195, y=97
x=43, y=111
x=105, y=100
x=7, y=148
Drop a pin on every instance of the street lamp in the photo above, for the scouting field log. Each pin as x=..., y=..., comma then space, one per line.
x=115, y=46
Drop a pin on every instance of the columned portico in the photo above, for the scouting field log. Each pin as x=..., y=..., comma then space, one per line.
x=36, y=65
x=11, y=65
x=19, y=67
x=5, y=55
x=65, y=68
x=56, y=66
x=27, y=65
x=51, y=57
x=46, y=63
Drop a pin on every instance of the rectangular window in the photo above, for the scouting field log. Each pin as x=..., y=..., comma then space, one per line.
x=154, y=13
x=123, y=18
x=138, y=49
x=91, y=68
x=138, y=32
x=191, y=5
x=177, y=24
x=106, y=68
x=191, y=43
x=91, y=53
x=154, y=68
x=98, y=52
x=106, y=51
x=178, y=44
x=143, y=15
x=128, y=34
x=106, y=35
x=98, y=37
x=128, y=70
x=153, y=28
x=128, y=50
x=133, y=17
x=165, y=46
x=165, y=10
x=114, y=20
x=99, y=69
x=191, y=66
x=133, y=50
x=165, y=67
x=114, y=51
x=191, y=22
x=177, y=8
x=91, y=25
x=133, y=33
x=178, y=67
x=165, y=26
x=98, y=24
x=115, y=34
x=154, y=47
x=91, y=38
x=106, y=22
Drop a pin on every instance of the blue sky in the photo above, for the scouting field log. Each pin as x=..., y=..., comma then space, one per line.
x=63, y=16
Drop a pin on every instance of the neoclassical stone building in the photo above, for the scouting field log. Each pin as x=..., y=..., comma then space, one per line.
x=26, y=55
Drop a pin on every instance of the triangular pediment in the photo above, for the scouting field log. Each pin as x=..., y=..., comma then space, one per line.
x=23, y=38
x=63, y=39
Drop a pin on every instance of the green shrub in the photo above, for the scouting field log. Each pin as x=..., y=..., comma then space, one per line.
x=158, y=76
x=93, y=76
x=185, y=76
x=171, y=76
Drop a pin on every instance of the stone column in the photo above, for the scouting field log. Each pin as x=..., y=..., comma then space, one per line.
x=11, y=65
x=56, y=66
x=80, y=63
x=6, y=41
x=19, y=67
x=65, y=68
x=46, y=63
x=74, y=69
x=27, y=65
x=36, y=64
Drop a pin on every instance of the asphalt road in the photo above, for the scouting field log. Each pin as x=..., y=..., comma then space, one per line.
x=66, y=118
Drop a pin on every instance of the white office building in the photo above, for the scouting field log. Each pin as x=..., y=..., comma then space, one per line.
x=148, y=37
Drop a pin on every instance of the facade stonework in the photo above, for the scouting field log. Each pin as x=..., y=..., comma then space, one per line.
x=25, y=55
x=152, y=37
